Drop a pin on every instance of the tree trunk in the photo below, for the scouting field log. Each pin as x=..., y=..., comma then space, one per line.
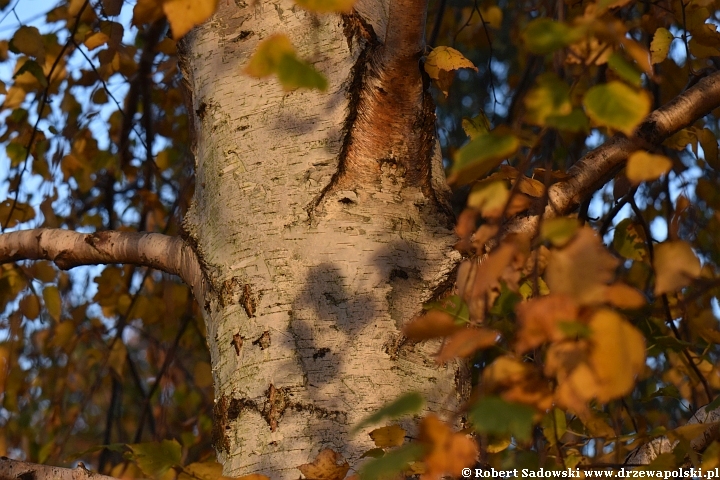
x=321, y=222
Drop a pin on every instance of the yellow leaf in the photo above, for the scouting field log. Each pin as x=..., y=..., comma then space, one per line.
x=643, y=166
x=327, y=6
x=53, y=304
x=660, y=45
x=466, y=342
x=147, y=11
x=96, y=40
x=550, y=96
x=492, y=15
x=582, y=268
x=531, y=187
x=617, y=355
x=441, y=64
x=183, y=15
x=675, y=266
x=489, y=198
x=390, y=436
x=328, y=465
x=624, y=296
x=75, y=6
x=617, y=106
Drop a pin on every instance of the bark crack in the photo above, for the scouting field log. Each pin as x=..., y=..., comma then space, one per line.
x=271, y=408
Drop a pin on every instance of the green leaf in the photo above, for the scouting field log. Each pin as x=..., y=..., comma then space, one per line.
x=554, y=425
x=544, y=35
x=495, y=416
x=559, y=231
x=627, y=241
x=476, y=126
x=454, y=306
x=294, y=73
x=550, y=96
x=392, y=463
x=481, y=155
x=156, y=458
x=625, y=70
x=617, y=106
x=408, y=403
x=576, y=121
x=276, y=55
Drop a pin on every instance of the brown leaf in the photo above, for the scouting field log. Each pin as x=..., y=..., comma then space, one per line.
x=449, y=452
x=581, y=269
x=433, y=324
x=390, y=436
x=328, y=465
x=539, y=319
x=466, y=342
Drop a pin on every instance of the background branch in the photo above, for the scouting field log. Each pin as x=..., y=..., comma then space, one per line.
x=72, y=249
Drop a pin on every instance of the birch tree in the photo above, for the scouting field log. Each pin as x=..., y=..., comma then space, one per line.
x=291, y=175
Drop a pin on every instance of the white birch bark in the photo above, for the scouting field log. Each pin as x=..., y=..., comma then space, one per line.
x=320, y=220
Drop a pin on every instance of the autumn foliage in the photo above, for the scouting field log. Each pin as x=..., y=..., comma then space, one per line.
x=586, y=335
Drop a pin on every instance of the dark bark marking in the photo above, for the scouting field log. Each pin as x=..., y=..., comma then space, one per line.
x=263, y=341
x=356, y=29
x=237, y=342
x=275, y=406
x=221, y=425
x=227, y=291
x=320, y=353
x=248, y=300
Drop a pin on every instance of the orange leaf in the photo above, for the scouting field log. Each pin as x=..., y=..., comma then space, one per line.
x=449, y=452
x=432, y=324
x=328, y=465
x=539, y=318
x=466, y=342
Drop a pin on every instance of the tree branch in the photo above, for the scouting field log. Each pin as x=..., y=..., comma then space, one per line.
x=17, y=470
x=648, y=452
x=600, y=165
x=72, y=249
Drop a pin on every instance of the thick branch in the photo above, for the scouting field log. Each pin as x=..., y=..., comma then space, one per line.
x=72, y=249
x=16, y=470
x=648, y=452
x=600, y=165
x=405, y=35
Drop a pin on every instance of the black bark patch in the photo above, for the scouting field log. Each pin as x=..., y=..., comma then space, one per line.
x=398, y=273
x=320, y=353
